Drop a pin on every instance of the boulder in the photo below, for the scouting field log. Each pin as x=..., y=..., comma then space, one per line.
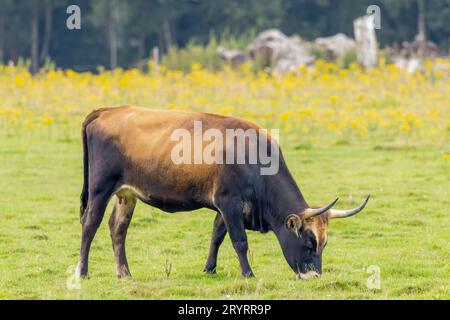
x=233, y=56
x=273, y=48
x=337, y=45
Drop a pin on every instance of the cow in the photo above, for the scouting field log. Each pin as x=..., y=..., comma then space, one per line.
x=127, y=156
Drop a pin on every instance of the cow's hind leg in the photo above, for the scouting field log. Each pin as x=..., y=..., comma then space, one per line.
x=118, y=225
x=218, y=234
x=90, y=221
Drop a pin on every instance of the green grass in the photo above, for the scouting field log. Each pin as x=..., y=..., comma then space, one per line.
x=404, y=230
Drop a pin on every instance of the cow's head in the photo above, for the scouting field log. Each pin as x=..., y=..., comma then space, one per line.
x=305, y=236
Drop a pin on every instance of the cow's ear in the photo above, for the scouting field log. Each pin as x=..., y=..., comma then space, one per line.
x=294, y=223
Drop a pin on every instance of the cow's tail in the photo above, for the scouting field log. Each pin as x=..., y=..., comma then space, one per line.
x=84, y=198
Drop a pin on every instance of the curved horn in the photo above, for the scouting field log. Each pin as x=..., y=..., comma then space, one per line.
x=348, y=213
x=310, y=213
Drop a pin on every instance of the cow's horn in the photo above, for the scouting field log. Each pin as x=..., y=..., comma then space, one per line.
x=310, y=213
x=347, y=213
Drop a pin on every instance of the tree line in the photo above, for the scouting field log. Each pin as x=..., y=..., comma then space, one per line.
x=120, y=33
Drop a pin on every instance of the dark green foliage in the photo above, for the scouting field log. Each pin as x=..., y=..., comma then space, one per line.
x=126, y=31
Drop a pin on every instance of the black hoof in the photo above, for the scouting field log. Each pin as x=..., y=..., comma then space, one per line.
x=210, y=270
x=124, y=276
x=123, y=272
x=248, y=274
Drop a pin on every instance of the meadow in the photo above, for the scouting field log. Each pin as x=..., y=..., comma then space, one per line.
x=344, y=132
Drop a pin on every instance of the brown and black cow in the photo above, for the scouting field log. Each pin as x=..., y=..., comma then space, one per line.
x=128, y=154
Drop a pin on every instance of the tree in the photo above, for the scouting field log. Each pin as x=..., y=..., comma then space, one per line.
x=119, y=33
x=421, y=21
x=48, y=16
x=35, y=36
x=110, y=14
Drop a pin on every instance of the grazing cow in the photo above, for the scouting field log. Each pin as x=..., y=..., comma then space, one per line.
x=127, y=154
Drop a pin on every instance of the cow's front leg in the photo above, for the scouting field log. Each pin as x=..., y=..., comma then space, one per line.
x=218, y=234
x=235, y=226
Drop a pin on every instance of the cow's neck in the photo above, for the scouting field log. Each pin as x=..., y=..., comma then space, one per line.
x=284, y=198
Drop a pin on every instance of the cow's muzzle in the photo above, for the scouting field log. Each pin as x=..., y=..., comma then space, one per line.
x=308, y=275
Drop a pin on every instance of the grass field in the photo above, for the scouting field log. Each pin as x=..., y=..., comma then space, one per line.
x=400, y=156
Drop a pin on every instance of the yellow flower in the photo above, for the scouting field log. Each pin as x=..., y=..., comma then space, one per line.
x=334, y=100
x=19, y=81
x=285, y=116
x=47, y=120
x=196, y=67
x=319, y=103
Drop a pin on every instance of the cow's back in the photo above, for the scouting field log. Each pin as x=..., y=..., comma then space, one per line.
x=143, y=139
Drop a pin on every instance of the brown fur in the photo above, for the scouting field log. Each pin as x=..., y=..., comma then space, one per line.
x=319, y=227
x=128, y=153
x=143, y=138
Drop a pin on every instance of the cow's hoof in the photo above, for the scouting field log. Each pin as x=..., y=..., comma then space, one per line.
x=123, y=273
x=248, y=274
x=81, y=272
x=210, y=270
x=82, y=276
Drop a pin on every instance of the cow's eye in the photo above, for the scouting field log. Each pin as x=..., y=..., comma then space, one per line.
x=309, y=244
